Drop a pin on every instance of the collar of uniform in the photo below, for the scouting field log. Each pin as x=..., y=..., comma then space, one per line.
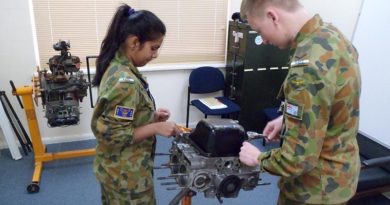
x=123, y=60
x=309, y=27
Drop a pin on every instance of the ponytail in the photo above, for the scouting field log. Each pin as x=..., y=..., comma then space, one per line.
x=126, y=21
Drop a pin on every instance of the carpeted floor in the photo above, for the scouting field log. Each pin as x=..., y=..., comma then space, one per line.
x=71, y=182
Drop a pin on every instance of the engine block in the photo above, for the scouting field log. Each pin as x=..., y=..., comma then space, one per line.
x=196, y=165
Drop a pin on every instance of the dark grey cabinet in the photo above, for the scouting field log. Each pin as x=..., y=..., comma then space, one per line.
x=254, y=74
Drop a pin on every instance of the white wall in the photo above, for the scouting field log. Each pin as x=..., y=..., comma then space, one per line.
x=18, y=63
x=16, y=48
x=234, y=6
x=168, y=87
x=372, y=41
x=341, y=13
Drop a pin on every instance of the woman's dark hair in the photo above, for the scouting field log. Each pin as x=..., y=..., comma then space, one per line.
x=143, y=24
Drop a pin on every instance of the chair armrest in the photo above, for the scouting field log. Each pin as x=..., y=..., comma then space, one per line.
x=375, y=162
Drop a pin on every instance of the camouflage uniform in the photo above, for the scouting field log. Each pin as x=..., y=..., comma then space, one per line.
x=319, y=159
x=123, y=168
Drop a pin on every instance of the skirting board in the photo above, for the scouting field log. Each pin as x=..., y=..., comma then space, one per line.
x=60, y=139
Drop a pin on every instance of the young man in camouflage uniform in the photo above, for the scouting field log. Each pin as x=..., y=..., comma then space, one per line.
x=319, y=159
x=124, y=120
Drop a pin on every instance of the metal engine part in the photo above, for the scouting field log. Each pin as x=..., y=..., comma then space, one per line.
x=215, y=176
x=62, y=88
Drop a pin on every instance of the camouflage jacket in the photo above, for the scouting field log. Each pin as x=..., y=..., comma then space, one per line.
x=123, y=104
x=319, y=159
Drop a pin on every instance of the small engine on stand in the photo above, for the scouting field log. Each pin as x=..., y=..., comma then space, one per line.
x=62, y=88
x=206, y=160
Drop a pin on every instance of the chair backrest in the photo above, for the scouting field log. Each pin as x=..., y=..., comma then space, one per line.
x=206, y=80
x=369, y=149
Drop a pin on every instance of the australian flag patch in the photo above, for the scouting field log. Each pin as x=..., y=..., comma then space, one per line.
x=294, y=111
x=124, y=112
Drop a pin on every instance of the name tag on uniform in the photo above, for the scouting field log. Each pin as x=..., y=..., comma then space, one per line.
x=294, y=111
x=124, y=112
x=299, y=63
x=126, y=80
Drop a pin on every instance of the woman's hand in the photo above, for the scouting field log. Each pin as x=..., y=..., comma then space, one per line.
x=167, y=129
x=161, y=115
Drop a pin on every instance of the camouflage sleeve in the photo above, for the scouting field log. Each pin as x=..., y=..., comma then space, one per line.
x=113, y=129
x=308, y=98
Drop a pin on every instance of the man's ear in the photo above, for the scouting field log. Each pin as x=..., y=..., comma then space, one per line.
x=273, y=15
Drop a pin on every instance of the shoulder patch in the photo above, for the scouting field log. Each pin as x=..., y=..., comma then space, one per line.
x=299, y=63
x=293, y=110
x=126, y=80
x=124, y=112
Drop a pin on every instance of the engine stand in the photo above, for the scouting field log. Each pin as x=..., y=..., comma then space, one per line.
x=40, y=154
x=186, y=200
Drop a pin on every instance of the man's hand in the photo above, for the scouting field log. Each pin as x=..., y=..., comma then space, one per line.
x=273, y=128
x=249, y=154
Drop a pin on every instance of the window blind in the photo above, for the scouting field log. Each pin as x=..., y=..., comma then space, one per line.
x=196, y=30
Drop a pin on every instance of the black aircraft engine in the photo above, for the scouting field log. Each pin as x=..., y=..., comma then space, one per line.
x=63, y=87
x=206, y=160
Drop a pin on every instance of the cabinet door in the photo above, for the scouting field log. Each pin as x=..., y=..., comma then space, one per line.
x=260, y=88
x=253, y=74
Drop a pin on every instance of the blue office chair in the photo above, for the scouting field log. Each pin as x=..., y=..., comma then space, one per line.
x=205, y=80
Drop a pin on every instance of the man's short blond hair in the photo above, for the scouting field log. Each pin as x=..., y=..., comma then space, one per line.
x=249, y=6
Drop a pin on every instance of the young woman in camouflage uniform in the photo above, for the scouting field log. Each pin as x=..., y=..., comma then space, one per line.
x=125, y=120
x=319, y=159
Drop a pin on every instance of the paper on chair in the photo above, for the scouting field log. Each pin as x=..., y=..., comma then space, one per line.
x=213, y=103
